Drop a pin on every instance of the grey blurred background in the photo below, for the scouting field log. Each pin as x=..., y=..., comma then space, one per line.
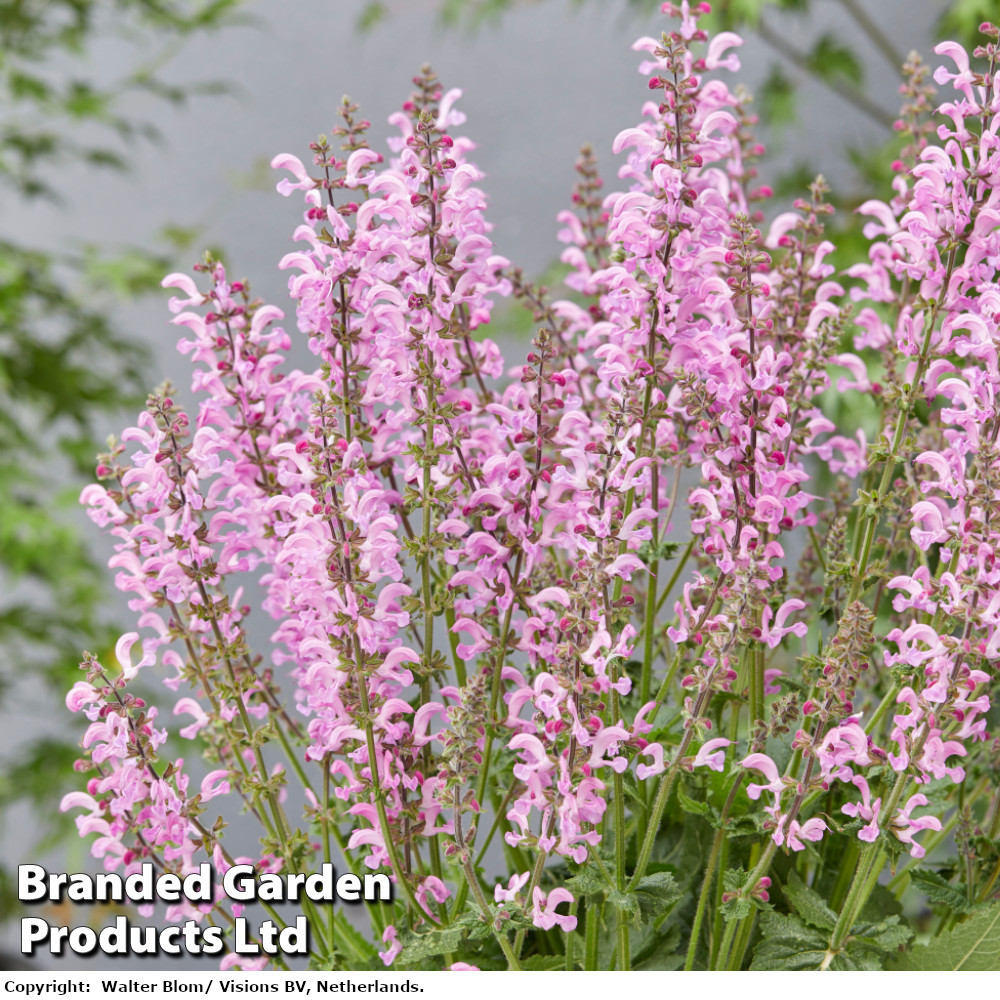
x=538, y=82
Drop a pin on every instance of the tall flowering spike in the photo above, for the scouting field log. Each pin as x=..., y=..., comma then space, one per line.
x=474, y=638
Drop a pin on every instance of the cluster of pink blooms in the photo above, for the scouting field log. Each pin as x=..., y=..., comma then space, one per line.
x=462, y=566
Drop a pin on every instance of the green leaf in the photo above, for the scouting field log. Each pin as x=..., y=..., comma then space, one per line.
x=689, y=805
x=882, y=903
x=787, y=943
x=372, y=15
x=346, y=936
x=83, y=101
x=125, y=275
x=972, y=946
x=587, y=882
x=437, y=942
x=630, y=784
x=809, y=905
x=961, y=19
x=939, y=890
x=624, y=902
x=872, y=942
x=656, y=949
x=736, y=909
x=735, y=14
x=24, y=86
x=777, y=98
x=543, y=963
x=649, y=551
x=733, y=880
x=830, y=59
x=656, y=894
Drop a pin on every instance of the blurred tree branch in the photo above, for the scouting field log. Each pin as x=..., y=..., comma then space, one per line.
x=829, y=61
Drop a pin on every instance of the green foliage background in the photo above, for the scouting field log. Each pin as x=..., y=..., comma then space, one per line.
x=62, y=361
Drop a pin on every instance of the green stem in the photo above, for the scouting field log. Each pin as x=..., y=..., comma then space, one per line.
x=571, y=939
x=426, y=587
x=667, y=781
x=716, y=932
x=624, y=960
x=888, y=700
x=990, y=882
x=872, y=520
x=593, y=933
x=731, y=957
x=668, y=678
x=713, y=860
x=327, y=853
x=619, y=812
x=536, y=878
x=727, y=943
x=502, y=649
x=280, y=832
x=459, y=663
x=477, y=891
x=656, y=813
x=649, y=625
x=755, y=654
x=501, y=812
x=848, y=864
x=706, y=890
x=463, y=889
x=742, y=940
x=817, y=548
x=865, y=876
x=675, y=576
x=388, y=839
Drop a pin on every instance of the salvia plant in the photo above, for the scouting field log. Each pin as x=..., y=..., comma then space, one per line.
x=672, y=645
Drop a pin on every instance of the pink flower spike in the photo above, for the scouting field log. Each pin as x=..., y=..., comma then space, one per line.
x=544, y=913
x=188, y=706
x=761, y=762
x=389, y=937
x=515, y=884
x=186, y=284
x=811, y=830
x=285, y=161
x=655, y=752
x=870, y=832
x=78, y=800
x=434, y=887
x=864, y=809
x=722, y=41
x=607, y=740
x=243, y=962
x=711, y=755
x=962, y=80
x=81, y=694
x=215, y=783
x=904, y=827
x=122, y=652
x=773, y=635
